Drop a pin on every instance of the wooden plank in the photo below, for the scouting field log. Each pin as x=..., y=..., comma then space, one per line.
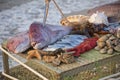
x=5, y=64
x=85, y=62
x=24, y=65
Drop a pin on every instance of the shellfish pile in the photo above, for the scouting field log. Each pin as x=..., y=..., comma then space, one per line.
x=108, y=44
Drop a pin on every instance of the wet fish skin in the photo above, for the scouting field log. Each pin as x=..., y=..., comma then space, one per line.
x=18, y=43
x=42, y=36
x=68, y=41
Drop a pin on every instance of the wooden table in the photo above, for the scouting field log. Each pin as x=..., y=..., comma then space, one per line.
x=86, y=62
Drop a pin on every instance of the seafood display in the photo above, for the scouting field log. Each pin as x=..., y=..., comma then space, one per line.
x=41, y=36
x=112, y=10
x=38, y=36
x=20, y=17
x=18, y=43
x=76, y=35
x=84, y=25
x=107, y=44
x=113, y=28
x=79, y=24
x=56, y=57
x=68, y=41
x=63, y=58
x=86, y=45
x=33, y=53
x=98, y=18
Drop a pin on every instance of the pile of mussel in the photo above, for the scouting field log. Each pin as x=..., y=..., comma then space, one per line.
x=108, y=44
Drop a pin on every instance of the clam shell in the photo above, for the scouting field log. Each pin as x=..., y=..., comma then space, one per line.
x=118, y=33
x=112, y=37
x=108, y=43
x=103, y=38
x=101, y=44
x=115, y=42
x=109, y=35
x=106, y=47
x=110, y=51
x=117, y=48
x=77, y=19
x=103, y=51
x=97, y=48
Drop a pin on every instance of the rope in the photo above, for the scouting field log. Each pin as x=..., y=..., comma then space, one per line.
x=47, y=8
x=46, y=11
x=61, y=11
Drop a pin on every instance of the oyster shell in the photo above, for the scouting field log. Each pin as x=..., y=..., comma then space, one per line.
x=97, y=48
x=103, y=51
x=108, y=35
x=118, y=33
x=110, y=51
x=117, y=48
x=101, y=44
x=112, y=37
x=103, y=38
x=108, y=43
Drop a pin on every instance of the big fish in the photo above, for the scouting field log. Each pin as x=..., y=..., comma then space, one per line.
x=112, y=10
x=18, y=43
x=41, y=36
x=68, y=41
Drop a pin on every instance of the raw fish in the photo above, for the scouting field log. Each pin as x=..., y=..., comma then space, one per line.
x=41, y=36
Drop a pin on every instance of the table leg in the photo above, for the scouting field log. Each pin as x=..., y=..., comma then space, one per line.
x=5, y=64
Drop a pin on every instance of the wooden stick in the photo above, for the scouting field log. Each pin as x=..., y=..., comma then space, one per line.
x=24, y=65
x=6, y=64
x=61, y=11
x=8, y=76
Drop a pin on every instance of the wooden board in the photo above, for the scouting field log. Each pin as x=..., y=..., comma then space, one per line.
x=85, y=62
